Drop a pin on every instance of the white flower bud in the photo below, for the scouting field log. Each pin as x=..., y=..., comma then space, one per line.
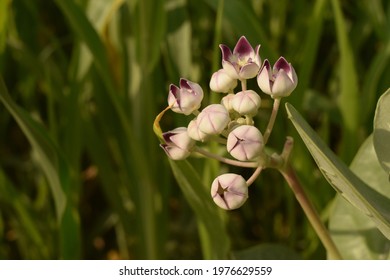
x=229, y=191
x=279, y=81
x=194, y=132
x=244, y=62
x=246, y=102
x=213, y=119
x=222, y=82
x=226, y=101
x=245, y=142
x=178, y=145
x=186, y=99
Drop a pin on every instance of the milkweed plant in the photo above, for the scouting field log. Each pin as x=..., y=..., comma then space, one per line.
x=232, y=124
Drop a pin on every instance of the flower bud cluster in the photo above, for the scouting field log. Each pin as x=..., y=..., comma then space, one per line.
x=230, y=121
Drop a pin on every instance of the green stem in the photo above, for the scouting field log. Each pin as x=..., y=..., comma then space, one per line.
x=254, y=176
x=272, y=119
x=248, y=164
x=289, y=174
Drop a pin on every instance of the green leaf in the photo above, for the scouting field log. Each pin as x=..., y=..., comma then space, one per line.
x=48, y=156
x=341, y=178
x=98, y=13
x=13, y=199
x=179, y=30
x=310, y=50
x=382, y=131
x=234, y=12
x=205, y=210
x=4, y=9
x=354, y=233
x=56, y=170
x=151, y=18
x=348, y=100
x=84, y=29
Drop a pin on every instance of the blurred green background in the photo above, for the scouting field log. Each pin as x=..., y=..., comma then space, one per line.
x=81, y=173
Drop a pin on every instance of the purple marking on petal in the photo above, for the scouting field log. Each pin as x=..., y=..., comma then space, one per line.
x=243, y=47
x=282, y=63
x=226, y=52
x=221, y=192
x=175, y=91
x=167, y=136
x=266, y=64
x=220, y=189
x=184, y=84
x=238, y=142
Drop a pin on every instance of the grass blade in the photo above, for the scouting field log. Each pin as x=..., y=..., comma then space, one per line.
x=207, y=213
x=45, y=148
x=56, y=170
x=348, y=100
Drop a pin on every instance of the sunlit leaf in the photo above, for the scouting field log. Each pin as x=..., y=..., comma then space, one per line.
x=382, y=131
x=354, y=233
x=341, y=178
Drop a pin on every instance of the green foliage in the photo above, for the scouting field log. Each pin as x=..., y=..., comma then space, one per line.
x=382, y=131
x=355, y=233
x=81, y=173
x=342, y=179
x=217, y=242
x=363, y=234
x=56, y=170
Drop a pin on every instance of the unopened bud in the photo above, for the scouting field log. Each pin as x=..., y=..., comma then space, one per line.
x=279, y=81
x=213, y=119
x=222, y=82
x=229, y=191
x=178, y=145
x=246, y=102
x=186, y=99
x=245, y=142
x=194, y=132
x=226, y=101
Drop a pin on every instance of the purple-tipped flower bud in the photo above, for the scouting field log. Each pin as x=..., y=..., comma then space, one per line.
x=245, y=142
x=246, y=102
x=279, y=81
x=178, y=145
x=229, y=191
x=244, y=62
x=222, y=82
x=186, y=99
x=194, y=132
x=213, y=119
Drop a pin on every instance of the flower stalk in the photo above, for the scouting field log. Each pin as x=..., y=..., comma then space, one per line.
x=271, y=122
x=291, y=178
